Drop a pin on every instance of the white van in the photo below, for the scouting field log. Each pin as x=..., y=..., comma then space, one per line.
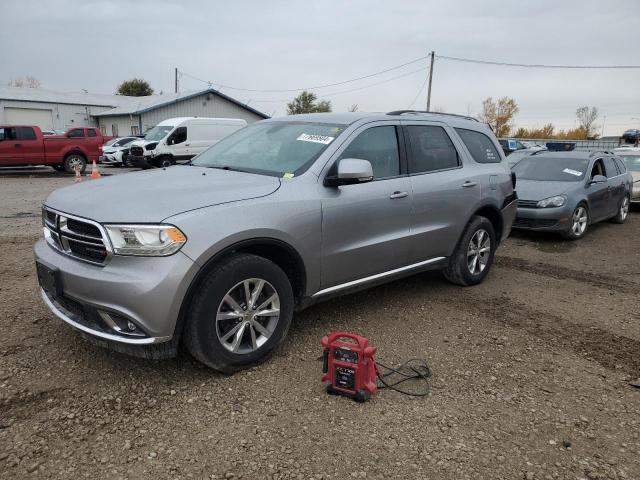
x=180, y=139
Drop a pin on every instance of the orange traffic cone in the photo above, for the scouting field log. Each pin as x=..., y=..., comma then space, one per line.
x=95, y=173
x=78, y=178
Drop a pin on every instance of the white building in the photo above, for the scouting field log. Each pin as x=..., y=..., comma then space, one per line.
x=114, y=114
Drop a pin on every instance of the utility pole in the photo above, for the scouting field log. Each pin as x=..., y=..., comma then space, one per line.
x=433, y=54
x=176, y=79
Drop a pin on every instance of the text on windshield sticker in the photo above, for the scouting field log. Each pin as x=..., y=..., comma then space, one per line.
x=572, y=172
x=305, y=137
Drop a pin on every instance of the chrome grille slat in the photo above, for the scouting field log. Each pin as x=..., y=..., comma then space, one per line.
x=62, y=233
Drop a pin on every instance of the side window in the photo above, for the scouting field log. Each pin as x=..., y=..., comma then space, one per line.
x=91, y=132
x=431, y=149
x=379, y=145
x=610, y=167
x=621, y=166
x=598, y=168
x=25, y=133
x=178, y=136
x=479, y=145
x=76, y=133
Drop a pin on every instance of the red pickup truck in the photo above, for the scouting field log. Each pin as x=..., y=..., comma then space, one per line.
x=25, y=145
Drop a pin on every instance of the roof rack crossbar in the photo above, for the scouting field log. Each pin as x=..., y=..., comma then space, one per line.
x=402, y=112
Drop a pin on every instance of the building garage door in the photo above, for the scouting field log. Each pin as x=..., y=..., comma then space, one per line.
x=29, y=116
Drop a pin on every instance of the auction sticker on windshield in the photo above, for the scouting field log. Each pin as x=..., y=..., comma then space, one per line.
x=572, y=172
x=305, y=137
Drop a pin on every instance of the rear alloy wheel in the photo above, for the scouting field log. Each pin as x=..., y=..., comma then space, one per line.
x=73, y=161
x=579, y=223
x=472, y=259
x=623, y=211
x=239, y=314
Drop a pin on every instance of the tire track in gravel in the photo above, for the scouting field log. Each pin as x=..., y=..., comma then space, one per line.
x=609, y=350
x=563, y=273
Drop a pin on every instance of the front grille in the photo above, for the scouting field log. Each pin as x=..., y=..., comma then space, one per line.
x=528, y=203
x=79, y=238
x=136, y=151
x=521, y=222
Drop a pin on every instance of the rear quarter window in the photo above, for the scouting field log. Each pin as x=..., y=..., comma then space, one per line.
x=480, y=146
x=91, y=132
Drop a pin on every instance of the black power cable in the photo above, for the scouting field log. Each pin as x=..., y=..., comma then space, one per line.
x=415, y=369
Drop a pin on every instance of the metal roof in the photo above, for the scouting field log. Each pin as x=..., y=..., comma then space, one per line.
x=139, y=105
x=114, y=104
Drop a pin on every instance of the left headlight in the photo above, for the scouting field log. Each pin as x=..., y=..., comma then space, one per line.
x=556, y=201
x=145, y=240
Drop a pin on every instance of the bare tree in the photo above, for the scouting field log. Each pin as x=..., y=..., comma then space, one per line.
x=353, y=108
x=587, y=120
x=25, y=82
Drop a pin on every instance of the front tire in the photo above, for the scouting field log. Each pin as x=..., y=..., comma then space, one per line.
x=623, y=210
x=163, y=162
x=73, y=160
x=239, y=314
x=473, y=256
x=579, y=223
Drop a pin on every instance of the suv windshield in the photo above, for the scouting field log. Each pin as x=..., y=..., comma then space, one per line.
x=158, y=132
x=632, y=162
x=551, y=169
x=273, y=148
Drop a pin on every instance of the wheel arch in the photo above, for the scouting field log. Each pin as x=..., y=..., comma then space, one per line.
x=491, y=213
x=278, y=251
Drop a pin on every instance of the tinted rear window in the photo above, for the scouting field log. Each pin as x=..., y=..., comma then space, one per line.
x=91, y=132
x=480, y=146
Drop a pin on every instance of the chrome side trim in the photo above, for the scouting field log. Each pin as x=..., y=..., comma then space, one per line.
x=360, y=281
x=65, y=317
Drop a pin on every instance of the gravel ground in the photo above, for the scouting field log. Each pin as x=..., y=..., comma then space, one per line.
x=531, y=377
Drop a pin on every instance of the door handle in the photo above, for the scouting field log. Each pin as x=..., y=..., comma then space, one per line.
x=398, y=194
x=17, y=145
x=468, y=184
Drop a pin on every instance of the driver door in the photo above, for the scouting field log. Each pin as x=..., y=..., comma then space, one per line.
x=10, y=147
x=599, y=194
x=177, y=143
x=365, y=227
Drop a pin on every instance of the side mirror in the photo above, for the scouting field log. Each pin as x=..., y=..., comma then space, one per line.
x=351, y=171
x=598, y=179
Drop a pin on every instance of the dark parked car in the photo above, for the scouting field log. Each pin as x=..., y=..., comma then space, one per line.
x=566, y=192
x=631, y=136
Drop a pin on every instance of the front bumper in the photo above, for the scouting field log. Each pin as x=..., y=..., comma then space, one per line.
x=140, y=161
x=555, y=219
x=147, y=291
x=109, y=159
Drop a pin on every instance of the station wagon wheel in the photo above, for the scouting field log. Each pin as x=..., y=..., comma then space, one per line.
x=478, y=251
x=623, y=211
x=579, y=221
x=240, y=311
x=247, y=315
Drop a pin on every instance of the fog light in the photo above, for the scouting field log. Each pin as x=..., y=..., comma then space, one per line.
x=120, y=324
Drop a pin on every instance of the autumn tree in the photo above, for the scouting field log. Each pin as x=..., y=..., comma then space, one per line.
x=25, y=82
x=547, y=131
x=136, y=87
x=306, y=103
x=587, y=120
x=498, y=115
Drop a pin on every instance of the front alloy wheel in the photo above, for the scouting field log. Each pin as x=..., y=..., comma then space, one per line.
x=579, y=221
x=247, y=316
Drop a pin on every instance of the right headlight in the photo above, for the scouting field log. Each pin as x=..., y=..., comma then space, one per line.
x=145, y=240
x=556, y=201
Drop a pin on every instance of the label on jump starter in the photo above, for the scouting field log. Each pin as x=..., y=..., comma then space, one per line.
x=344, y=355
x=345, y=378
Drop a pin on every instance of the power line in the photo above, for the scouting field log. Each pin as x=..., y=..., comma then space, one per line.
x=535, y=65
x=315, y=87
x=424, y=83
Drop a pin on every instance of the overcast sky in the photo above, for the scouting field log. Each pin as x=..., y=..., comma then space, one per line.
x=269, y=45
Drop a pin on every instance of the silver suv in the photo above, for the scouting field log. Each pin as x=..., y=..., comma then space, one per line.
x=219, y=253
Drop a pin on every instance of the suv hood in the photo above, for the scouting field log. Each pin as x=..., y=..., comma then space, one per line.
x=152, y=196
x=538, y=190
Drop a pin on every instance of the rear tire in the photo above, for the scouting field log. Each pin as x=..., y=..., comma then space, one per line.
x=72, y=160
x=224, y=328
x=473, y=256
x=623, y=210
x=164, y=162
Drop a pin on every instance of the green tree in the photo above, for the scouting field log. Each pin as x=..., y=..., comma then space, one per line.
x=498, y=115
x=306, y=103
x=136, y=87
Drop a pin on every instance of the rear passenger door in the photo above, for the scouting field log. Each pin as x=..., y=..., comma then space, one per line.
x=31, y=146
x=445, y=190
x=616, y=183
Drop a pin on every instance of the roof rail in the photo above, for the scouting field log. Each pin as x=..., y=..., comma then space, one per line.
x=402, y=112
x=600, y=152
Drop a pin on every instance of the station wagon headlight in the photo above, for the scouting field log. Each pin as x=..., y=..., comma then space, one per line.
x=556, y=201
x=145, y=240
